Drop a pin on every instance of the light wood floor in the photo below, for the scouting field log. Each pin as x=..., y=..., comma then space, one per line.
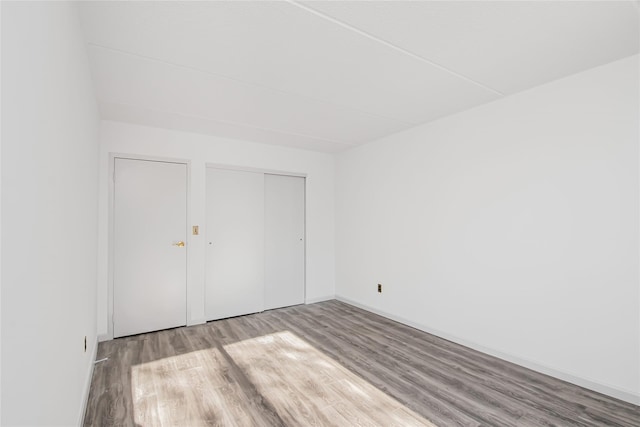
x=327, y=364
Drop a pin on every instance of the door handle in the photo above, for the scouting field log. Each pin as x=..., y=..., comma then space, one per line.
x=179, y=244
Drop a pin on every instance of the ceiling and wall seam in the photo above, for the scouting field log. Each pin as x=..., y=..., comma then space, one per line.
x=248, y=83
x=232, y=123
x=327, y=76
x=392, y=46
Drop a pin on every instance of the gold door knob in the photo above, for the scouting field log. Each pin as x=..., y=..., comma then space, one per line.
x=179, y=244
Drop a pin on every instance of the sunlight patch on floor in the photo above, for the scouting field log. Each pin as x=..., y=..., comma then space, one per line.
x=279, y=373
x=307, y=387
x=191, y=389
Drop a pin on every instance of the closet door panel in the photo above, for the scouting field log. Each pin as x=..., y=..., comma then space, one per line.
x=284, y=241
x=235, y=243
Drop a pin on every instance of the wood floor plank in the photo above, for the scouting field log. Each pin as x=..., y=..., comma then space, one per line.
x=327, y=364
x=447, y=377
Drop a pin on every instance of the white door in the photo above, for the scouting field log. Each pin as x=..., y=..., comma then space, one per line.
x=284, y=241
x=235, y=243
x=150, y=261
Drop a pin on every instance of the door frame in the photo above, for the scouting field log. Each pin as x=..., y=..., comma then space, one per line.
x=111, y=231
x=266, y=172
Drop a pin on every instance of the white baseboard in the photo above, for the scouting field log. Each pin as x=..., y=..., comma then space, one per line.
x=319, y=299
x=103, y=337
x=627, y=396
x=194, y=322
x=87, y=383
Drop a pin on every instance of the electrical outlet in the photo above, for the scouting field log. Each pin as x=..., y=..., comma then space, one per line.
x=85, y=343
x=379, y=288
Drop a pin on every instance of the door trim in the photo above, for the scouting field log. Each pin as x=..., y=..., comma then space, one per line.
x=111, y=236
x=256, y=170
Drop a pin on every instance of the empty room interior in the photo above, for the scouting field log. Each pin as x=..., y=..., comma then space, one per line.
x=320, y=213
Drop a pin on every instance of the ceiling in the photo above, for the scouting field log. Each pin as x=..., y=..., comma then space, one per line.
x=327, y=76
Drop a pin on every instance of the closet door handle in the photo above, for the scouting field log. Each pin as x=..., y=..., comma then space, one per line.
x=179, y=244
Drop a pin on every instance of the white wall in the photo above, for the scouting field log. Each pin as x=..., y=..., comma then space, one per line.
x=49, y=215
x=512, y=227
x=0, y=216
x=199, y=150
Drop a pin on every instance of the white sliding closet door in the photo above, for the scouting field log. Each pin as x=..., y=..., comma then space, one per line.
x=235, y=243
x=284, y=241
